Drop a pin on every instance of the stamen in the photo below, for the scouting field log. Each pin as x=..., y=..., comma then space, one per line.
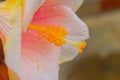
x=51, y=33
x=78, y=45
x=56, y=35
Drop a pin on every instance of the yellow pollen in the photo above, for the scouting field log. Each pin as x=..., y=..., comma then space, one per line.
x=78, y=45
x=53, y=34
x=56, y=35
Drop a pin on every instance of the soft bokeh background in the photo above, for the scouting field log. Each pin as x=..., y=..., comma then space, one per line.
x=101, y=58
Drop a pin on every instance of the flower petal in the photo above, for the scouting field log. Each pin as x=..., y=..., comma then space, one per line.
x=10, y=33
x=73, y=4
x=13, y=50
x=30, y=7
x=39, y=57
x=68, y=53
x=63, y=16
x=4, y=27
x=12, y=54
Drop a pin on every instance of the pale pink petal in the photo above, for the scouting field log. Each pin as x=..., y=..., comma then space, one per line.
x=73, y=4
x=12, y=50
x=10, y=33
x=30, y=7
x=4, y=27
x=11, y=43
x=63, y=16
x=40, y=58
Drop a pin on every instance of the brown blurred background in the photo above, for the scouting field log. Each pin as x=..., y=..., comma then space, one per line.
x=101, y=58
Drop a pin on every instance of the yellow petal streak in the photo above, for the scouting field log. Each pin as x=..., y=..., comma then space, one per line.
x=11, y=7
x=13, y=3
x=56, y=35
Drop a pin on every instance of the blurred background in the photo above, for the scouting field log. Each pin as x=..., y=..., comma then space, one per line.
x=101, y=58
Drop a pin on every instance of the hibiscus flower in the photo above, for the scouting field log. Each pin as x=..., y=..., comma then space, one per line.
x=38, y=35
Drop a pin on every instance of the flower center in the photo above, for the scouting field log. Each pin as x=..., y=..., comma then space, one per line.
x=56, y=35
x=51, y=33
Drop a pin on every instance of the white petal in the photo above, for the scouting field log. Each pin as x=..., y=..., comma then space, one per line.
x=13, y=50
x=73, y=4
x=68, y=53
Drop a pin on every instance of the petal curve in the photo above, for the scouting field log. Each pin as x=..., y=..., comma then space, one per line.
x=73, y=4
x=30, y=8
x=63, y=16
